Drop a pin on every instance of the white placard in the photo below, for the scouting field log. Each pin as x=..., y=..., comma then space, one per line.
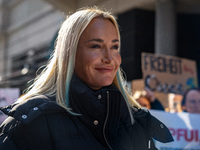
x=185, y=129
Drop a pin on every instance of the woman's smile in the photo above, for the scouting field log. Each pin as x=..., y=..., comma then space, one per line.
x=105, y=69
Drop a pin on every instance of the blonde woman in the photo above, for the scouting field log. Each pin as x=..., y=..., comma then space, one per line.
x=79, y=102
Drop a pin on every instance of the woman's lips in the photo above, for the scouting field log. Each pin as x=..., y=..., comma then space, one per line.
x=105, y=69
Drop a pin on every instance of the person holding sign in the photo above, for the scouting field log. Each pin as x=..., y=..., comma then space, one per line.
x=154, y=102
x=80, y=102
x=191, y=101
x=148, y=100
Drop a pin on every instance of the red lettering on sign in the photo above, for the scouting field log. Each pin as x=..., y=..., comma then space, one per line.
x=180, y=132
x=185, y=134
x=188, y=69
x=197, y=135
x=189, y=136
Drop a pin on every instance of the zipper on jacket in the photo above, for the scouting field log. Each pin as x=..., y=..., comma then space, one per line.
x=149, y=144
x=107, y=114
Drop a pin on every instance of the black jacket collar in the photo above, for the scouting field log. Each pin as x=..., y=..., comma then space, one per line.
x=96, y=105
x=88, y=102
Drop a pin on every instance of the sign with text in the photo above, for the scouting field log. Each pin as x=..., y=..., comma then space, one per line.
x=7, y=97
x=168, y=74
x=184, y=127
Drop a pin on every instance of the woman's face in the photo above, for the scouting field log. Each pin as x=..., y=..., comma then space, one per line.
x=97, y=57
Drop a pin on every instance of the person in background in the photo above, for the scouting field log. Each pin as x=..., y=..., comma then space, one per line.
x=191, y=101
x=144, y=102
x=79, y=102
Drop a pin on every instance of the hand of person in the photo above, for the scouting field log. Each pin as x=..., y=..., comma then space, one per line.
x=150, y=95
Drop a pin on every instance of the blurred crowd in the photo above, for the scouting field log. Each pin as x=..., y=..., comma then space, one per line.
x=189, y=102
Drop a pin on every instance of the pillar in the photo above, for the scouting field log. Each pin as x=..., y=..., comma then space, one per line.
x=165, y=27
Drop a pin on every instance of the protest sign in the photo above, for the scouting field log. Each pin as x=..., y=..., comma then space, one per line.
x=7, y=97
x=184, y=128
x=168, y=74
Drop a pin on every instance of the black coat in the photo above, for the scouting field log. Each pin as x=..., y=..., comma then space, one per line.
x=101, y=122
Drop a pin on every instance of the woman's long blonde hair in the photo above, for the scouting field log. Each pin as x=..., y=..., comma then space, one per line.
x=55, y=78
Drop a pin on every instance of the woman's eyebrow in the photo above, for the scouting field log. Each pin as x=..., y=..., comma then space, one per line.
x=101, y=40
x=115, y=40
x=96, y=40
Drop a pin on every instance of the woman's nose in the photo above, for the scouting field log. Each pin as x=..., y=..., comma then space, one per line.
x=107, y=56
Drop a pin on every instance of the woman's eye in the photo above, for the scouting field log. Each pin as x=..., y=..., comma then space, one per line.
x=115, y=47
x=96, y=46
